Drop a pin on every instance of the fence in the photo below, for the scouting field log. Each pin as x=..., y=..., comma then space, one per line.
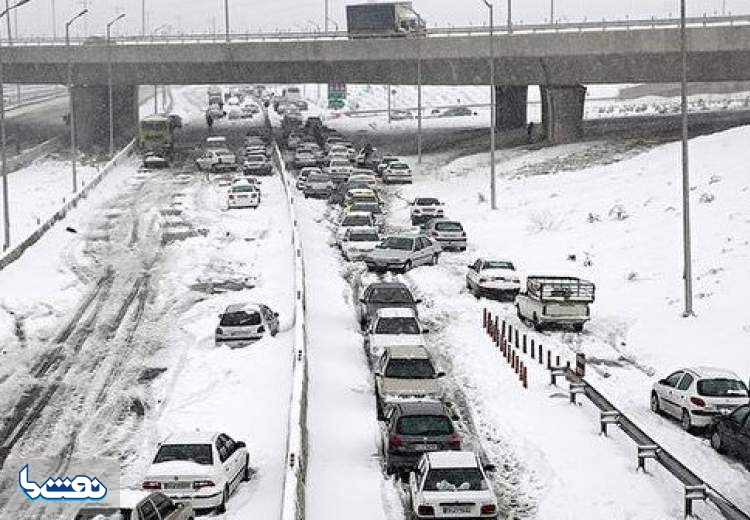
x=515, y=345
x=16, y=252
x=293, y=498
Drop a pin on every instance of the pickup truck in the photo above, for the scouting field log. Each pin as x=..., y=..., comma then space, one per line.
x=217, y=159
x=555, y=301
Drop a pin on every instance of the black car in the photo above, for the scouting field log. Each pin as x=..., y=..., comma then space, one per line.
x=384, y=294
x=732, y=434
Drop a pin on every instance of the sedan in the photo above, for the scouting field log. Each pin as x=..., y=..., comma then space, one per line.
x=357, y=242
x=245, y=322
x=493, y=278
x=243, y=195
x=403, y=253
x=732, y=434
x=199, y=468
x=448, y=233
x=397, y=172
x=256, y=165
x=698, y=396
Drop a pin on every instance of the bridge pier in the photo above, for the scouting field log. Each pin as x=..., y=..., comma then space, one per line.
x=91, y=105
x=562, y=112
x=510, y=110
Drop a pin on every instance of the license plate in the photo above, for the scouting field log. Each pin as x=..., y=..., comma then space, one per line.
x=176, y=485
x=426, y=447
x=456, y=510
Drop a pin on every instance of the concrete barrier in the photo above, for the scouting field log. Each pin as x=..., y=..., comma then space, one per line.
x=16, y=252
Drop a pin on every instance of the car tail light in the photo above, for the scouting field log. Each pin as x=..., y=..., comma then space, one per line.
x=433, y=233
x=199, y=484
x=488, y=509
x=395, y=441
x=231, y=197
x=261, y=329
x=463, y=233
x=454, y=441
x=544, y=309
x=426, y=511
x=220, y=331
x=697, y=401
x=150, y=484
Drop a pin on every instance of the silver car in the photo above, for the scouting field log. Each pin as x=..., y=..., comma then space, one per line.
x=448, y=233
x=402, y=253
x=245, y=322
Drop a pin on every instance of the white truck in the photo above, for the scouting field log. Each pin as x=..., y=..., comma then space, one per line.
x=217, y=159
x=555, y=301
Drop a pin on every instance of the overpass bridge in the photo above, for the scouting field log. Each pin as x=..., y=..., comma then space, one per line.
x=560, y=59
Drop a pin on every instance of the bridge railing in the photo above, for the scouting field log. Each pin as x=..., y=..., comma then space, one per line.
x=586, y=25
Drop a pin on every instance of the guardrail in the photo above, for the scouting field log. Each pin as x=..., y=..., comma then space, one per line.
x=293, y=497
x=15, y=253
x=586, y=25
x=515, y=344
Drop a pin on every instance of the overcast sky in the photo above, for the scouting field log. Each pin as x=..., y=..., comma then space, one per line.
x=35, y=18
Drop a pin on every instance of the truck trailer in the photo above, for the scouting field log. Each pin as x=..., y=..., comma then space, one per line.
x=384, y=19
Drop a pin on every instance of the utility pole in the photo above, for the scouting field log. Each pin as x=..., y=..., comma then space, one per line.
x=10, y=42
x=143, y=17
x=109, y=86
x=419, y=107
x=389, y=104
x=54, y=21
x=688, y=272
x=510, y=17
x=552, y=12
x=226, y=18
x=72, y=117
x=493, y=108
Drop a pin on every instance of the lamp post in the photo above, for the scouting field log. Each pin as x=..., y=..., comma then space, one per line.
x=156, y=88
x=54, y=21
x=10, y=44
x=493, y=198
x=3, y=157
x=510, y=17
x=143, y=17
x=226, y=18
x=688, y=272
x=72, y=118
x=109, y=86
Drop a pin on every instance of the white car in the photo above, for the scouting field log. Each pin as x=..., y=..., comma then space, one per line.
x=406, y=372
x=368, y=179
x=450, y=234
x=246, y=322
x=451, y=484
x=243, y=195
x=493, y=278
x=354, y=219
x=135, y=504
x=424, y=209
x=397, y=172
x=394, y=326
x=384, y=162
x=199, y=468
x=217, y=159
x=696, y=396
x=303, y=174
x=358, y=241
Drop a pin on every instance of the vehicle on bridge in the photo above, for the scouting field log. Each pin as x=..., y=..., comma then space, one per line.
x=156, y=135
x=384, y=19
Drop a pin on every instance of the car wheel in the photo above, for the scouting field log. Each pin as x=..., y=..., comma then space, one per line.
x=247, y=474
x=537, y=325
x=685, y=421
x=716, y=442
x=407, y=266
x=379, y=408
x=435, y=259
x=655, y=407
x=222, y=508
x=578, y=327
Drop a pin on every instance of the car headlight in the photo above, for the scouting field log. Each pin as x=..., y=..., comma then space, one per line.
x=484, y=280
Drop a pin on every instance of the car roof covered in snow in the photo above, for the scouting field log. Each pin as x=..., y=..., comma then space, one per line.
x=713, y=373
x=358, y=214
x=191, y=437
x=421, y=407
x=408, y=352
x=396, y=312
x=239, y=307
x=453, y=459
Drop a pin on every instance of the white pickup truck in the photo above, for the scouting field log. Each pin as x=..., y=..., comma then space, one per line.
x=555, y=301
x=217, y=159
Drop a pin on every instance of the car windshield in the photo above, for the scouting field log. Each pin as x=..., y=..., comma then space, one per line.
x=368, y=207
x=448, y=226
x=397, y=326
x=424, y=425
x=256, y=158
x=358, y=220
x=455, y=479
x=498, y=265
x=317, y=178
x=400, y=243
x=242, y=189
x=242, y=318
x=722, y=388
x=391, y=295
x=103, y=513
x=399, y=166
x=427, y=202
x=198, y=453
x=410, y=369
x=363, y=237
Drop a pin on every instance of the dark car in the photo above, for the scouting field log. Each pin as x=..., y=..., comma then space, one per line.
x=413, y=428
x=384, y=294
x=457, y=111
x=732, y=434
x=257, y=165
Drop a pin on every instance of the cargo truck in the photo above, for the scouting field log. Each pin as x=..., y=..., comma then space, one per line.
x=384, y=19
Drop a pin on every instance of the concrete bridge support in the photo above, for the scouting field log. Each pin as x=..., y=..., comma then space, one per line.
x=91, y=105
x=562, y=113
x=510, y=107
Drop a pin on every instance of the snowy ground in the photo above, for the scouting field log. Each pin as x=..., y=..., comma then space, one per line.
x=636, y=264
x=110, y=330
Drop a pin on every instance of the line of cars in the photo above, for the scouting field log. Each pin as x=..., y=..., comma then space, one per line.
x=420, y=429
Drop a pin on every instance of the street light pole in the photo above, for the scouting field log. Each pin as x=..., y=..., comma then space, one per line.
x=688, y=272
x=54, y=21
x=156, y=87
x=109, y=86
x=143, y=17
x=72, y=117
x=419, y=107
x=493, y=108
x=552, y=12
x=226, y=18
x=510, y=17
x=3, y=156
